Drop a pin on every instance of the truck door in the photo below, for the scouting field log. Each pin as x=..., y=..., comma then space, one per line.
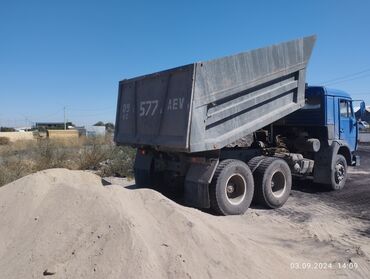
x=347, y=123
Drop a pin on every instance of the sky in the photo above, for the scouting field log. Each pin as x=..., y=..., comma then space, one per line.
x=72, y=54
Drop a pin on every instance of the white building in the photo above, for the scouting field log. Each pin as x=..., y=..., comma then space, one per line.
x=94, y=131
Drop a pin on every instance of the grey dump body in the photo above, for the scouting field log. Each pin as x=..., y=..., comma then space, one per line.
x=208, y=105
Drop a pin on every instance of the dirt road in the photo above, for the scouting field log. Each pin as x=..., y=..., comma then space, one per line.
x=354, y=199
x=342, y=218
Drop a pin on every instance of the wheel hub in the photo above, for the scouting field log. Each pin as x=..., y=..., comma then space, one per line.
x=278, y=184
x=339, y=173
x=230, y=189
x=235, y=189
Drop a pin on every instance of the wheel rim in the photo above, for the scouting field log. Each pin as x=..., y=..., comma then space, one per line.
x=278, y=184
x=340, y=172
x=235, y=189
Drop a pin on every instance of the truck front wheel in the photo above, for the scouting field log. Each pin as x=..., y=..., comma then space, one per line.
x=339, y=173
x=232, y=187
x=273, y=180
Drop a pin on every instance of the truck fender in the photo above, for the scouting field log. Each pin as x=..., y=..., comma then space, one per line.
x=325, y=160
x=197, y=180
x=345, y=151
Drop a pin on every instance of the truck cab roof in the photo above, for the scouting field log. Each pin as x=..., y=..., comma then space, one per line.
x=323, y=90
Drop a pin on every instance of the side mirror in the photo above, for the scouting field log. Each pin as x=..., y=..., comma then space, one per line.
x=362, y=109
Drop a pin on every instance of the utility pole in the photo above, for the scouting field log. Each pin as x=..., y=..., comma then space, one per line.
x=65, y=123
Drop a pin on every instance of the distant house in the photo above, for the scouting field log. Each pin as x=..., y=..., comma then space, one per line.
x=23, y=129
x=43, y=126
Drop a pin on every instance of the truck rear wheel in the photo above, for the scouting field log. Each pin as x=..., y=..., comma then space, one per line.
x=273, y=180
x=339, y=173
x=232, y=187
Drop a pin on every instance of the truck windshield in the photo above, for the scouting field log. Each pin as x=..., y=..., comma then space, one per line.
x=312, y=103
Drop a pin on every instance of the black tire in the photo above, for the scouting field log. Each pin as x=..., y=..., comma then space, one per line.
x=339, y=174
x=255, y=162
x=253, y=165
x=273, y=182
x=232, y=187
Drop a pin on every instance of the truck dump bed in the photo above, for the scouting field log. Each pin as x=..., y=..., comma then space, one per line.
x=208, y=105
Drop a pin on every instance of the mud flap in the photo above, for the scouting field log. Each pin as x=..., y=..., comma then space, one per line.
x=143, y=169
x=356, y=161
x=197, y=181
x=324, y=163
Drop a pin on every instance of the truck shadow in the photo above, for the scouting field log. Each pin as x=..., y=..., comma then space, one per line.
x=307, y=186
x=176, y=196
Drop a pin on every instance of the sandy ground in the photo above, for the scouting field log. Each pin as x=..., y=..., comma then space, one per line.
x=66, y=224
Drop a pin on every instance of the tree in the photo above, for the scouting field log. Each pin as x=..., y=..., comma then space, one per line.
x=6, y=129
x=109, y=126
x=100, y=123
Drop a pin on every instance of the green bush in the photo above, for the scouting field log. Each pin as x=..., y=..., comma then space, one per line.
x=99, y=154
x=120, y=164
x=93, y=153
x=50, y=154
x=14, y=168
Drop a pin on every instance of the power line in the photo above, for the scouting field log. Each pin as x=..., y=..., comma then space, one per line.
x=348, y=79
x=65, y=122
x=359, y=93
x=346, y=76
x=87, y=115
x=357, y=75
x=101, y=109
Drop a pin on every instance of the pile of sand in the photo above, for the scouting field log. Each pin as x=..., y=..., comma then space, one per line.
x=66, y=224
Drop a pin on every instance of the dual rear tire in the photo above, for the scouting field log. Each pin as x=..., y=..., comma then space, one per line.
x=273, y=182
x=234, y=186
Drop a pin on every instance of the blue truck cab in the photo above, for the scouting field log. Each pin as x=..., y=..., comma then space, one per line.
x=328, y=116
x=337, y=114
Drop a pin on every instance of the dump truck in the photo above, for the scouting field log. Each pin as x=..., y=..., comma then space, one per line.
x=237, y=129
